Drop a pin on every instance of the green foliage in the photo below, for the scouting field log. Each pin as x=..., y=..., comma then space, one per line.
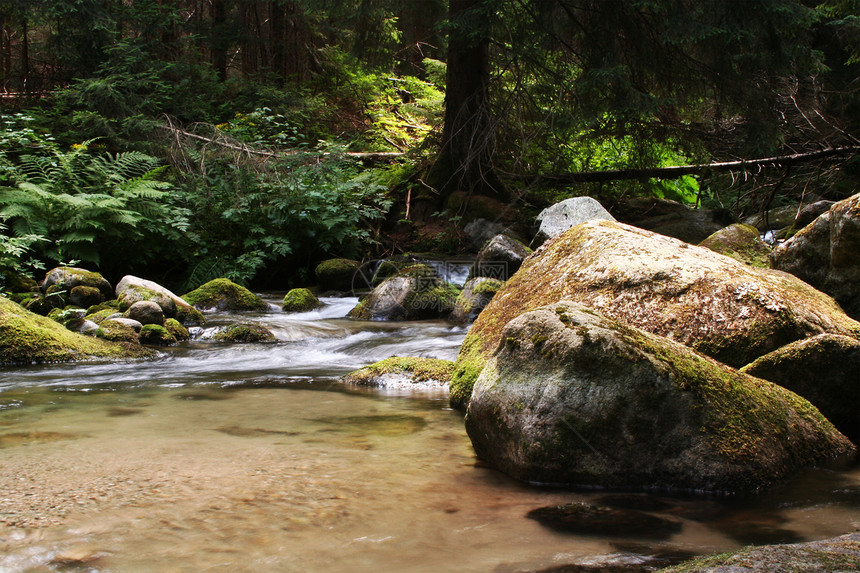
x=89, y=207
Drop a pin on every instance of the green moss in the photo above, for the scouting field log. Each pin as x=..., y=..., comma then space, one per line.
x=300, y=300
x=176, y=329
x=336, y=274
x=224, y=294
x=419, y=369
x=101, y=315
x=114, y=331
x=245, y=333
x=468, y=366
x=156, y=335
x=27, y=338
x=742, y=243
x=361, y=311
x=488, y=287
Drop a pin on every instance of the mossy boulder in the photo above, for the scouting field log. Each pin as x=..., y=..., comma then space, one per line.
x=415, y=293
x=336, y=274
x=132, y=289
x=825, y=254
x=15, y=282
x=300, y=300
x=100, y=315
x=571, y=397
x=476, y=294
x=836, y=555
x=85, y=296
x=399, y=370
x=224, y=295
x=64, y=279
x=740, y=242
x=118, y=330
x=244, y=333
x=156, y=335
x=712, y=303
x=500, y=258
x=824, y=370
x=27, y=338
x=175, y=328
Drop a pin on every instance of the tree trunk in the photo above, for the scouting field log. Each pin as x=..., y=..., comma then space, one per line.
x=25, y=55
x=465, y=160
x=218, y=41
x=277, y=41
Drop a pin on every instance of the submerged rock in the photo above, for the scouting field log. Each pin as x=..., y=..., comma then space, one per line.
x=570, y=397
x=300, y=300
x=740, y=242
x=825, y=370
x=26, y=338
x=588, y=519
x=825, y=254
x=132, y=289
x=402, y=370
x=224, y=295
x=839, y=554
x=718, y=306
x=415, y=293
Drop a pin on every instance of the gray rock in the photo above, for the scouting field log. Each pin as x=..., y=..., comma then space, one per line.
x=416, y=293
x=562, y=216
x=570, y=397
x=500, y=258
x=85, y=327
x=824, y=370
x=825, y=254
x=480, y=231
x=145, y=312
x=476, y=294
x=132, y=289
x=129, y=322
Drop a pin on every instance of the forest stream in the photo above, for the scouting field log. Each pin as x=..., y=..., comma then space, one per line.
x=253, y=457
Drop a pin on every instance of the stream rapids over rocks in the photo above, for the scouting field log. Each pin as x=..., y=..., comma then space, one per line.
x=254, y=457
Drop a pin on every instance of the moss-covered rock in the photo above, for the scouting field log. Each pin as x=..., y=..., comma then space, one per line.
x=740, y=242
x=825, y=254
x=824, y=370
x=85, y=296
x=336, y=274
x=14, y=282
x=719, y=306
x=571, y=397
x=67, y=278
x=101, y=315
x=132, y=289
x=836, y=555
x=300, y=300
x=500, y=258
x=224, y=295
x=117, y=330
x=244, y=333
x=27, y=338
x=415, y=293
x=156, y=335
x=476, y=294
x=175, y=328
x=400, y=369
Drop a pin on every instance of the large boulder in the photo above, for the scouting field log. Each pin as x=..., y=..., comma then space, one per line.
x=825, y=254
x=740, y=242
x=131, y=289
x=571, y=397
x=824, y=370
x=477, y=294
x=500, y=258
x=300, y=300
x=224, y=295
x=717, y=305
x=560, y=217
x=415, y=293
x=29, y=338
x=62, y=280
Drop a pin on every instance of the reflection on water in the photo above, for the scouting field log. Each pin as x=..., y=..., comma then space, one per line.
x=252, y=457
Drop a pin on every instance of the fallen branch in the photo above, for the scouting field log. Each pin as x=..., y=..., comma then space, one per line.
x=681, y=170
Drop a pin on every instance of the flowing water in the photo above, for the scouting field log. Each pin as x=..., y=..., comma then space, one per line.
x=220, y=457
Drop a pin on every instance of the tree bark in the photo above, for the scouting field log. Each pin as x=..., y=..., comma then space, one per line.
x=465, y=160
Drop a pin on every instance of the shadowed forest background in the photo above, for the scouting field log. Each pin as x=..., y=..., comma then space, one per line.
x=250, y=139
